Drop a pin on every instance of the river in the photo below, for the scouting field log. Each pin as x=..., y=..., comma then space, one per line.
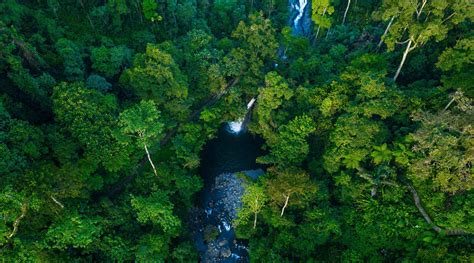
x=234, y=150
x=219, y=200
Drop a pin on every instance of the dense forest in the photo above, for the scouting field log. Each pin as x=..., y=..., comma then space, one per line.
x=366, y=122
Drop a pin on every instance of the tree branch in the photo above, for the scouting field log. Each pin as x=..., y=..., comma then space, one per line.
x=24, y=210
x=437, y=229
x=57, y=202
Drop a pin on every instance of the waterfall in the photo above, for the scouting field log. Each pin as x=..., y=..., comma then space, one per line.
x=300, y=21
x=237, y=127
x=300, y=17
x=300, y=8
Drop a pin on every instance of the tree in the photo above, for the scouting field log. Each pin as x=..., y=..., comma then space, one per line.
x=456, y=63
x=443, y=148
x=117, y=8
x=109, y=61
x=158, y=210
x=290, y=146
x=140, y=124
x=156, y=76
x=149, y=10
x=97, y=82
x=271, y=97
x=89, y=117
x=14, y=207
x=418, y=22
x=72, y=59
x=290, y=182
x=256, y=46
x=351, y=142
x=253, y=201
x=77, y=231
x=321, y=12
x=152, y=245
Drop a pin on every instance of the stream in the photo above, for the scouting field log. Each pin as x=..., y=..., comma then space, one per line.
x=219, y=200
x=223, y=159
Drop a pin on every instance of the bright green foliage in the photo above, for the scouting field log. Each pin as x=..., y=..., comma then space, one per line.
x=351, y=141
x=381, y=154
x=444, y=149
x=270, y=98
x=140, y=123
x=257, y=45
x=290, y=186
x=417, y=22
x=155, y=76
x=149, y=10
x=321, y=12
x=290, y=146
x=158, y=210
x=253, y=201
x=73, y=231
x=89, y=117
x=423, y=20
x=109, y=61
x=457, y=62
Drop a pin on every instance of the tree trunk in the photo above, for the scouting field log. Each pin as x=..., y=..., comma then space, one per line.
x=449, y=104
x=255, y=221
x=418, y=13
x=319, y=27
x=416, y=199
x=345, y=13
x=385, y=32
x=149, y=159
x=255, y=214
x=57, y=202
x=285, y=205
x=24, y=209
x=270, y=9
x=317, y=33
x=327, y=33
x=405, y=53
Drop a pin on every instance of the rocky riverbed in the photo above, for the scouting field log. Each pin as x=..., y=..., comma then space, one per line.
x=215, y=236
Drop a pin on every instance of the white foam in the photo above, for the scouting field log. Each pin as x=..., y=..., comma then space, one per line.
x=235, y=126
x=208, y=211
x=251, y=102
x=300, y=9
x=226, y=225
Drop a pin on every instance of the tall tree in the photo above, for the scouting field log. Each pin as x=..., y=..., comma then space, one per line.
x=321, y=14
x=89, y=116
x=141, y=124
x=290, y=182
x=417, y=22
x=156, y=76
x=253, y=201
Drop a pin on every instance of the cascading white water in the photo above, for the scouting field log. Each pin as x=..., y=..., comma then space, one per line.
x=300, y=8
x=237, y=126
